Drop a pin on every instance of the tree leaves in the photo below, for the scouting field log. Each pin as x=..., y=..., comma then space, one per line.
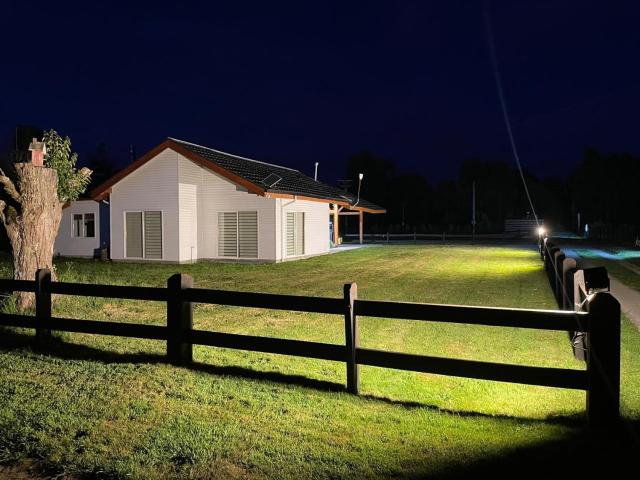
x=71, y=182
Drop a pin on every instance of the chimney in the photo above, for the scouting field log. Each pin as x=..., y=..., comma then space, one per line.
x=38, y=150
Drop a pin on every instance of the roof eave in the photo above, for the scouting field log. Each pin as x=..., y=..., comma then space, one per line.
x=311, y=198
x=104, y=189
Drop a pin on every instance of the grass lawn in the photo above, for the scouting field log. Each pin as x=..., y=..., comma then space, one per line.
x=111, y=408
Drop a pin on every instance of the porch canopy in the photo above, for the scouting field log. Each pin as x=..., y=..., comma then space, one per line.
x=357, y=207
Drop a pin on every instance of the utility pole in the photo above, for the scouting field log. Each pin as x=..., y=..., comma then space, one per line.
x=473, y=212
x=579, y=223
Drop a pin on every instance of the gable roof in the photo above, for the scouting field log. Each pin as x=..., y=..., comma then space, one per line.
x=257, y=177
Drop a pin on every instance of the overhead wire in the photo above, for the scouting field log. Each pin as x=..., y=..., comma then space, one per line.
x=503, y=105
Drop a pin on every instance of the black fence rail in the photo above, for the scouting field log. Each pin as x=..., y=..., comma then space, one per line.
x=586, y=290
x=598, y=319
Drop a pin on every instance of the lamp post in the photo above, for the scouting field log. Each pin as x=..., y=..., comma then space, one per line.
x=361, y=215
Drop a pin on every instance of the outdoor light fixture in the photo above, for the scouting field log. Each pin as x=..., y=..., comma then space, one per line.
x=360, y=177
x=541, y=231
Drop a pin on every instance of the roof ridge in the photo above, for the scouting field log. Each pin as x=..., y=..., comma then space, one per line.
x=232, y=155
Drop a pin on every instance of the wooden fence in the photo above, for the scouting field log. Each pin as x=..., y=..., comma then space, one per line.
x=598, y=319
x=585, y=290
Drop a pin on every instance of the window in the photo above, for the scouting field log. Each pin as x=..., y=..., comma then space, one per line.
x=153, y=235
x=248, y=234
x=77, y=225
x=238, y=234
x=143, y=235
x=295, y=233
x=227, y=234
x=84, y=225
x=133, y=234
x=89, y=225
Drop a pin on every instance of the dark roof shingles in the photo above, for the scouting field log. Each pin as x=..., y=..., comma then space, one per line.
x=293, y=181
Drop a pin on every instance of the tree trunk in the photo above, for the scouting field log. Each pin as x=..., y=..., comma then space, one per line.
x=33, y=231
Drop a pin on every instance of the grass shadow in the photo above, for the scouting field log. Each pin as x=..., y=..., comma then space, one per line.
x=14, y=339
x=579, y=453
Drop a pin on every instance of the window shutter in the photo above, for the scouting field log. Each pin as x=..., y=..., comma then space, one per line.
x=295, y=233
x=290, y=234
x=227, y=234
x=153, y=235
x=299, y=235
x=248, y=234
x=133, y=241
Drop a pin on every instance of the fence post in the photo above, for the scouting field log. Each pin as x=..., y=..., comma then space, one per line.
x=558, y=285
x=569, y=267
x=351, y=337
x=43, y=303
x=603, y=361
x=179, y=320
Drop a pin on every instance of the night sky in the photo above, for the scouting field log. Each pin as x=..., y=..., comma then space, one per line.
x=302, y=82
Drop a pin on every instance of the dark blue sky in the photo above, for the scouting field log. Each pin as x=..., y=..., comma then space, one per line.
x=302, y=82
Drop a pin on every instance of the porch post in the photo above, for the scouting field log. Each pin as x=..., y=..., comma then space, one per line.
x=361, y=217
x=336, y=224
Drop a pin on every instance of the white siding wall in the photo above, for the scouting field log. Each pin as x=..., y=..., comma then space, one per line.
x=153, y=186
x=70, y=246
x=217, y=194
x=188, y=221
x=191, y=196
x=316, y=226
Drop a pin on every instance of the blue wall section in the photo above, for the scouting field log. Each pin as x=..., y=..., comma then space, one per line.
x=105, y=227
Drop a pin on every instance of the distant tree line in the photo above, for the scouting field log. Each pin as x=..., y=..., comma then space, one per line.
x=601, y=188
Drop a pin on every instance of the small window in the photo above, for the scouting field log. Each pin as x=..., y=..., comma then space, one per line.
x=238, y=234
x=295, y=233
x=77, y=225
x=89, y=225
x=84, y=225
x=143, y=235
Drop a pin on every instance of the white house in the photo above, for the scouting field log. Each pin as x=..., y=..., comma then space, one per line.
x=182, y=202
x=80, y=233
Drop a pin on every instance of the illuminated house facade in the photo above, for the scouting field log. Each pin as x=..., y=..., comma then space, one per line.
x=183, y=202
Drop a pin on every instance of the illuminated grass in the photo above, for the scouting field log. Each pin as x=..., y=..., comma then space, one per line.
x=102, y=404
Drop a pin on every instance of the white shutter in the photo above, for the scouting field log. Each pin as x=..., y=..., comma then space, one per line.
x=153, y=235
x=227, y=234
x=291, y=249
x=133, y=240
x=295, y=233
x=248, y=234
x=299, y=233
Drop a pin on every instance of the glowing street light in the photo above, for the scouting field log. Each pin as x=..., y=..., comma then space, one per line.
x=360, y=177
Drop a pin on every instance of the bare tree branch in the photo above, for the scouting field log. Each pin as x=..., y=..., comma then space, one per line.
x=9, y=187
x=3, y=205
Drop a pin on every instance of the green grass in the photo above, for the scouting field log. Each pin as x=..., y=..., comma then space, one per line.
x=111, y=407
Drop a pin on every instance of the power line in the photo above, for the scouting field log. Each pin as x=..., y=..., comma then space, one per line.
x=503, y=104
